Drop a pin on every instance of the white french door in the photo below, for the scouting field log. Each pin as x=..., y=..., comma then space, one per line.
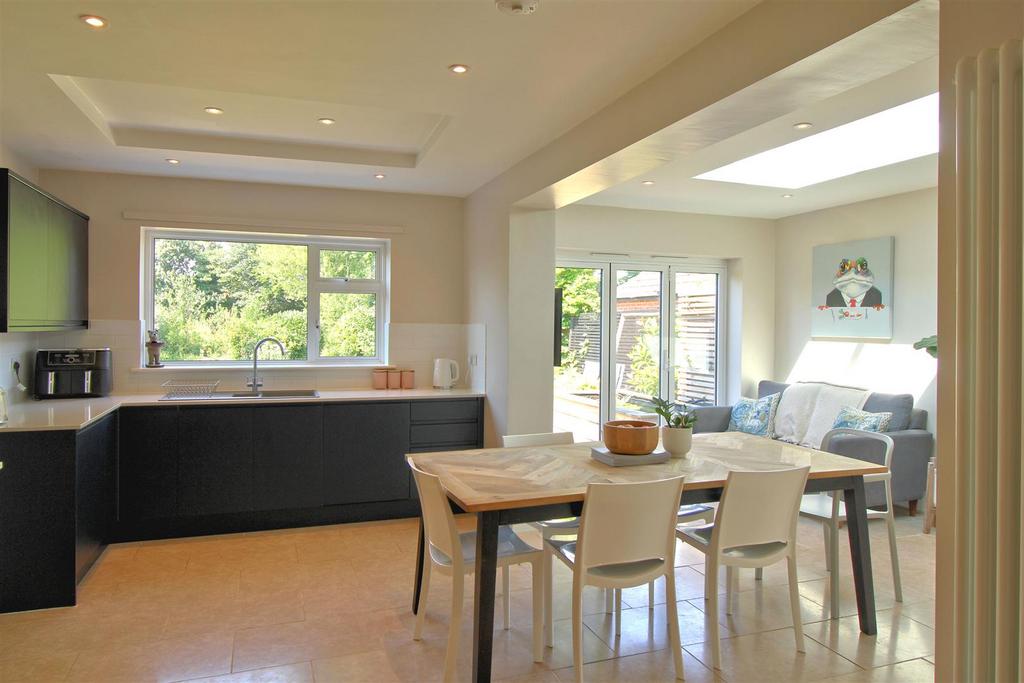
x=632, y=330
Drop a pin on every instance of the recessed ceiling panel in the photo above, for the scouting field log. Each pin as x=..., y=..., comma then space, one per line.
x=174, y=118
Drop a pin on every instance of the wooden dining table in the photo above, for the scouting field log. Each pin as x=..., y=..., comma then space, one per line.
x=531, y=484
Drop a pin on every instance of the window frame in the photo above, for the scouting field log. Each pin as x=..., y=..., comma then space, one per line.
x=316, y=285
x=668, y=266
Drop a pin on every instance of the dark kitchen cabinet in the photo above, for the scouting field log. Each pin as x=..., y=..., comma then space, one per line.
x=288, y=457
x=95, y=509
x=37, y=520
x=147, y=485
x=215, y=460
x=364, y=452
x=44, y=269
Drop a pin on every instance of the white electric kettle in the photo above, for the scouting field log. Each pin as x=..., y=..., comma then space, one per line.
x=446, y=373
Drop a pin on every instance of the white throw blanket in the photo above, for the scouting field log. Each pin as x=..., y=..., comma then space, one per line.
x=807, y=411
x=795, y=410
x=831, y=400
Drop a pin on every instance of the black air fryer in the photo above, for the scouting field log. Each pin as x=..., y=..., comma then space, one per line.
x=73, y=373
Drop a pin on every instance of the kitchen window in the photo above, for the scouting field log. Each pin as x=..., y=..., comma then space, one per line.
x=213, y=295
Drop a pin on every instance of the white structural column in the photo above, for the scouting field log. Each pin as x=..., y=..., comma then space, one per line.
x=987, y=478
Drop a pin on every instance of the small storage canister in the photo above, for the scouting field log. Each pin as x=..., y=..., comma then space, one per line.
x=394, y=379
x=380, y=378
x=408, y=379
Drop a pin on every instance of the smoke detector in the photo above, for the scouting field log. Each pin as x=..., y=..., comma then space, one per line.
x=517, y=7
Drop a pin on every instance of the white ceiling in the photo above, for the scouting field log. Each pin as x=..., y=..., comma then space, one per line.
x=676, y=189
x=125, y=98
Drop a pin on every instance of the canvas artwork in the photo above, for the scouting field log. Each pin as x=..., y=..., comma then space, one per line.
x=851, y=289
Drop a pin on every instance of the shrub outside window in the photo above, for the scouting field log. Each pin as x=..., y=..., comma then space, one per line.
x=213, y=294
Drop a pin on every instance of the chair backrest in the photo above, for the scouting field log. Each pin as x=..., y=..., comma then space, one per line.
x=542, y=439
x=438, y=521
x=759, y=507
x=826, y=441
x=629, y=522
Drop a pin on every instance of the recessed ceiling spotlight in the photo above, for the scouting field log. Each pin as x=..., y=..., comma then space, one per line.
x=803, y=125
x=326, y=121
x=93, y=21
x=787, y=196
x=214, y=110
x=172, y=162
x=647, y=182
x=458, y=68
x=379, y=176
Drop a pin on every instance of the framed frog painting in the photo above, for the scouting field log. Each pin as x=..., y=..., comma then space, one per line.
x=851, y=290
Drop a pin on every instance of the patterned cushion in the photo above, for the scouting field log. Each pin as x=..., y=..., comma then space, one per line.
x=852, y=418
x=755, y=416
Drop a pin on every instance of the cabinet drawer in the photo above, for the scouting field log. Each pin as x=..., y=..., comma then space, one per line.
x=445, y=411
x=459, y=433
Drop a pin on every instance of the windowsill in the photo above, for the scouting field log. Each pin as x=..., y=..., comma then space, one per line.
x=264, y=367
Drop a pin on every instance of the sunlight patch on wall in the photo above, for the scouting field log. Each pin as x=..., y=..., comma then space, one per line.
x=887, y=368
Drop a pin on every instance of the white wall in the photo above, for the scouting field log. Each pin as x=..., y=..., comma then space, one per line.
x=893, y=367
x=770, y=37
x=748, y=244
x=531, y=311
x=426, y=258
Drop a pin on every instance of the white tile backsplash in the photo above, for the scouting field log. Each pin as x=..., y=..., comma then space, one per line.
x=412, y=346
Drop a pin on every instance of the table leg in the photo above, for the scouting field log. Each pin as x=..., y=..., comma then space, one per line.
x=483, y=601
x=860, y=554
x=419, y=570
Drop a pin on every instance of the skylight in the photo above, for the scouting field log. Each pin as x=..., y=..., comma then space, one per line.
x=905, y=132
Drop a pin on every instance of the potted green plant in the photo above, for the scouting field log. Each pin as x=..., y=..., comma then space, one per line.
x=677, y=432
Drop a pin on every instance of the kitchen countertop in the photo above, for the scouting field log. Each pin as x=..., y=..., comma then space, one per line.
x=76, y=413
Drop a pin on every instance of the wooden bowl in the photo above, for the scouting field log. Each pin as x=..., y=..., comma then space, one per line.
x=630, y=437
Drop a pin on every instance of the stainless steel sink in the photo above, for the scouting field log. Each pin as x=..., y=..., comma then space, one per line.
x=256, y=395
x=278, y=393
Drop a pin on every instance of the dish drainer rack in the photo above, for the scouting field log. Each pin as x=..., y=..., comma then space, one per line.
x=186, y=389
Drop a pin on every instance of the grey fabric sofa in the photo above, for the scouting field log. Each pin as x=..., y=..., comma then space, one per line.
x=914, y=444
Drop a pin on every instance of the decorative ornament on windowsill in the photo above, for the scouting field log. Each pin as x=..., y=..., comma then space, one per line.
x=677, y=432
x=153, y=347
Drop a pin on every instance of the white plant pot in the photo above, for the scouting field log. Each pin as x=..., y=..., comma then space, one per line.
x=676, y=440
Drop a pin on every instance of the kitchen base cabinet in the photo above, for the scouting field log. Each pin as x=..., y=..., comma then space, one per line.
x=215, y=460
x=147, y=472
x=147, y=464
x=364, y=452
x=37, y=520
x=288, y=457
x=96, y=451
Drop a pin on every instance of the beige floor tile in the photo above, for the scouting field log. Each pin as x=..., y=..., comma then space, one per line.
x=772, y=656
x=335, y=599
x=290, y=673
x=817, y=591
x=914, y=671
x=234, y=612
x=165, y=660
x=265, y=646
x=648, y=667
x=43, y=669
x=899, y=638
x=689, y=585
x=761, y=610
x=645, y=630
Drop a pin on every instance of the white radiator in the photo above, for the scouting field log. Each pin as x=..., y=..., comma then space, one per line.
x=986, y=484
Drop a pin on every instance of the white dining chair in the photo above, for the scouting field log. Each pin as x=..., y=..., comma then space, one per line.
x=755, y=527
x=568, y=526
x=626, y=539
x=454, y=554
x=830, y=510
